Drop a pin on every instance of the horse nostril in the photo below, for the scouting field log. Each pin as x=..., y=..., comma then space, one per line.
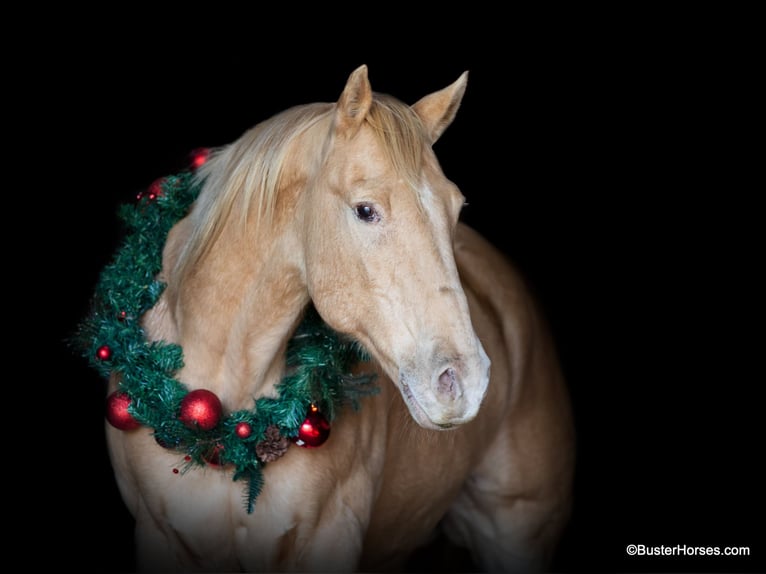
x=447, y=382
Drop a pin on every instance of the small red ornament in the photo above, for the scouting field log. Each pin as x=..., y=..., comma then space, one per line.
x=201, y=409
x=314, y=430
x=104, y=353
x=243, y=429
x=153, y=191
x=117, y=412
x=199, y=156
x=213, y=458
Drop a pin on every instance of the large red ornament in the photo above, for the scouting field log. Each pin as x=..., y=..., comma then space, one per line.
x=117, y=412
x=201, y=409
x=314, y=430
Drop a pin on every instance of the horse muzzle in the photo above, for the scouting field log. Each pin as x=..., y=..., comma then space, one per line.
x=448, y=396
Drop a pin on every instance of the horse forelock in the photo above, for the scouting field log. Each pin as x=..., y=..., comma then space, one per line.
x=242, y=180
x=400, y=134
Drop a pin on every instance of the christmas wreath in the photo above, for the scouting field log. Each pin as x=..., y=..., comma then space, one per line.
x=194, y=422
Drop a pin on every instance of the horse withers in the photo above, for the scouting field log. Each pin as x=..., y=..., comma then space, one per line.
x=342, y=208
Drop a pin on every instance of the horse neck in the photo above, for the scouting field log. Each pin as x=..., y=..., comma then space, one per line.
x=234, y=312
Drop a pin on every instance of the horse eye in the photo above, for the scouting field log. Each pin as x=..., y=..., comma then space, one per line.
x=366, y=213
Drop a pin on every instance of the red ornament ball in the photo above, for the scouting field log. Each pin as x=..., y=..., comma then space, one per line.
x=117, y=412
x=104, y=353
x=153, y=191
x=314, y=430
x=201, y=409
x=213, y=457
x=198, y=156
x=243, y=429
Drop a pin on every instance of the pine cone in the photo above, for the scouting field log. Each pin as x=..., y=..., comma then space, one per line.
x=272, y=446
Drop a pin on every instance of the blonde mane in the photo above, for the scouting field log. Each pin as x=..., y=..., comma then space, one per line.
x=247, y=175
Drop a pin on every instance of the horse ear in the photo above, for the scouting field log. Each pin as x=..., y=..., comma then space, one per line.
x=354, y=103
x=437, y=110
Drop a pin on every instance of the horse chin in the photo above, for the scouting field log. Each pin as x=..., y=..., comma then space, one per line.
x=421, y=416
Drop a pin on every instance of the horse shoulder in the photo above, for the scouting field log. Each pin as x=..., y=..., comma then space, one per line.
x=530, y=452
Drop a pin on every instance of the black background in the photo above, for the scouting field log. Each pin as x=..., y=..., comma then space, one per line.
x=606, y=154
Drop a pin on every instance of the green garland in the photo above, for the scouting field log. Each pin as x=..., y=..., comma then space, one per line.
x=112, y=339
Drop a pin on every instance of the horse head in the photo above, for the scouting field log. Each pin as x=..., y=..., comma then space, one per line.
x=378, y=223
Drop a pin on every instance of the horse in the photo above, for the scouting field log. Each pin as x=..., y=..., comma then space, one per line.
x=341, y=209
